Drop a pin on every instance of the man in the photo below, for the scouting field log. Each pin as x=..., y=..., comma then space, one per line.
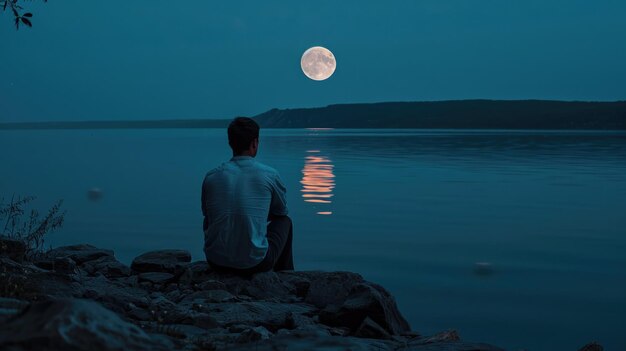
x=238, y=199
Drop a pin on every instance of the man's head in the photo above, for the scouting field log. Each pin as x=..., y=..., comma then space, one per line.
x=243, y=136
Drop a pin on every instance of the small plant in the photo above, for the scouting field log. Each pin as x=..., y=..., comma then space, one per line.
x=16, y=222
x=20, y=17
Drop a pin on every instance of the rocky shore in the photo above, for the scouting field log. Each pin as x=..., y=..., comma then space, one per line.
x=82, y=298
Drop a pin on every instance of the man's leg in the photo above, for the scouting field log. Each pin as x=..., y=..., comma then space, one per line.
x=280, y=238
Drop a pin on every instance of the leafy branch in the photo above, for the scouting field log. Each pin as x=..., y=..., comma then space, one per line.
x=28, y=226
x=17, y=10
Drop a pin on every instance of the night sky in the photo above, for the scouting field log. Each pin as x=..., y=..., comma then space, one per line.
x=101, y=60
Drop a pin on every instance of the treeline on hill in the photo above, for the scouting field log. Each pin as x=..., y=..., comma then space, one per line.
x=477, y=114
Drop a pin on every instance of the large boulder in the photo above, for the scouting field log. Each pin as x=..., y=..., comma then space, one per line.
x=366, y=300
x=74, y=325
x=165, y=261
x=329, y=288
x=79, y=253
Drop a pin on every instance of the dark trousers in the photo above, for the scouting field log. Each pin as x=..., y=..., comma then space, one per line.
x=279, y=255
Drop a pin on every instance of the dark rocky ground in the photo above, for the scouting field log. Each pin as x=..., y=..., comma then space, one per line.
x=81, y=298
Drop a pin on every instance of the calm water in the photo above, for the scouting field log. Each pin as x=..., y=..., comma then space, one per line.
x=412, y=210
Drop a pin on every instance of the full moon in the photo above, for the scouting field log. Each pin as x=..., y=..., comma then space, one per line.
x=318, y=63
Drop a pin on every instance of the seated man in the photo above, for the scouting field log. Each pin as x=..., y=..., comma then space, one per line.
x=238, y=199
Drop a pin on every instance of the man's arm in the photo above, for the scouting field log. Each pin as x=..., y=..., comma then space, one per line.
x=278, y=206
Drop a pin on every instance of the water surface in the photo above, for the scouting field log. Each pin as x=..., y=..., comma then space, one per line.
x=412, y=210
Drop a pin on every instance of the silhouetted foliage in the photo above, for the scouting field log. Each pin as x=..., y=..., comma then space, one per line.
x=27, y=226
x=17, y=10
x=477, y=114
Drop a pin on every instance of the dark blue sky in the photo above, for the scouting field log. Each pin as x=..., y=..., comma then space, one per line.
x=87, y=60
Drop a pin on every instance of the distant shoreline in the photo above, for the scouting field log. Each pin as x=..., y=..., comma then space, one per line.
x=148, y=124
x=455, y=114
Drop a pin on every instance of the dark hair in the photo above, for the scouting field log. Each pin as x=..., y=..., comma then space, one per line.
x=241, y=132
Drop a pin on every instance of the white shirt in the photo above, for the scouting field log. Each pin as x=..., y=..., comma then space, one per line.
x=237, y=198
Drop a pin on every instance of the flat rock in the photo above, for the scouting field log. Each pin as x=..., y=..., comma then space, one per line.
x=79, y=253
x=167, y=261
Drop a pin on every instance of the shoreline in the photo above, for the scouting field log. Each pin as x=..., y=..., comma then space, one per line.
x=165, y=301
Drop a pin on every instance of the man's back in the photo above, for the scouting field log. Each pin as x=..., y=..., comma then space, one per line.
x=237, y=198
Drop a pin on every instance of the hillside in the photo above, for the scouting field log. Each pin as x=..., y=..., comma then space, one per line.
x=478, y=114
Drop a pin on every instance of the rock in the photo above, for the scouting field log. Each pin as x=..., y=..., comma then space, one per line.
x=312, y=342
x=196, y=273
x=189, y=307
x=271, y=315
x=212, y=284
x=48, y=285
x=6, y=302
x=330, y=288
x=79, y=253
x=166, y=261
x=64, y=265
x=10, y=307
x=156, y=277
x=44, y=262
x=253, y=334
x=592, y=346
x=483, y=268
x=74, y=325
x=445, y=336
x=237, y=328
x=210, y=296
x=114, y=295
x=174, y=295
x=370, y=329
x=161, y=303
x=203, y=320
x=12, y=248
x=367, y=300
x=139, y=314
x=94, y=194
x=268, y=285
x=107, y=266
x=300, y=283
x=341, y=331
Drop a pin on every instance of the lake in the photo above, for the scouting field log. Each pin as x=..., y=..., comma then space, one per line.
x=542, y=213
